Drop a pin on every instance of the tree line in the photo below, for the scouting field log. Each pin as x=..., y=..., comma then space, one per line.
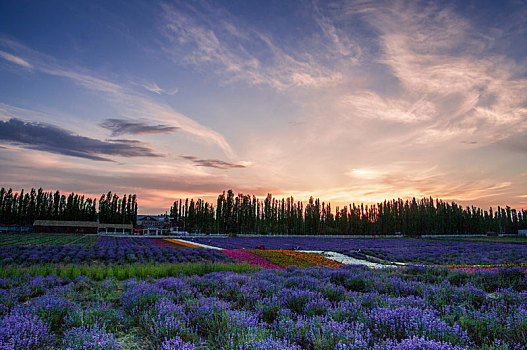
x=245, y=214
x=23, y=208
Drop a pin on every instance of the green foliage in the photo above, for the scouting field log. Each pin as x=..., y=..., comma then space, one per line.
x=115, y=210
x=47, y=239
x=244, y=214
x=99, y=272
x=25, y=207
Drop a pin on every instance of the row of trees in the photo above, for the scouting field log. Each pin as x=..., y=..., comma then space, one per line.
x=115, y=210
x=245, y=214
x=24, y=208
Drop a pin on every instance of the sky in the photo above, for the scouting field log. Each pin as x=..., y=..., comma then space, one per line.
x=348, y=101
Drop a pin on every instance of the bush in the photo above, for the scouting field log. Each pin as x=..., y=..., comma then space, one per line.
x=90, y=337
x=23, y=330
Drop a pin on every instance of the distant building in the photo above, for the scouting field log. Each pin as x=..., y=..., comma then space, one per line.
x=116, y=228
x=153, y=224
x=56, y=226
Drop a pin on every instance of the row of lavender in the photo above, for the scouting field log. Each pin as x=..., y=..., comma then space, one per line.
x=314, y=309
x=440, y=252
x=125, y=242
x=109, y=254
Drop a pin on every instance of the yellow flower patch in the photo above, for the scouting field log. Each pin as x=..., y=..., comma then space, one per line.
x=312, y=258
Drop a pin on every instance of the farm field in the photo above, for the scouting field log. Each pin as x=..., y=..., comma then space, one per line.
x=43, y=239
x=312, y=308
x=505, y=239
x=422, y=251
x=155, y=293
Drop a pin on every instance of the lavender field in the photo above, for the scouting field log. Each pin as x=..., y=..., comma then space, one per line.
x=141, y=293
x=110, y=250
x=313, y=308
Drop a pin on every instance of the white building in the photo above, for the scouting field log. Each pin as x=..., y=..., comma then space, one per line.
x=153, y=224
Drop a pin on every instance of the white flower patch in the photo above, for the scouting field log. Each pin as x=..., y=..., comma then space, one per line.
x=346, y=260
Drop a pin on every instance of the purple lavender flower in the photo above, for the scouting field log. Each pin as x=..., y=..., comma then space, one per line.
x=52, y=308
x=138, y=297
x=268, y=344
x=168, y=320
x=23, y=330
x=177, y=343
x=417, y=343
x=89, y=338
x=323, y=333
x=405, y=322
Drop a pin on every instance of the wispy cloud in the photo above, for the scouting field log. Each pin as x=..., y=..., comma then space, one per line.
x=213, y=163
x=49, y=138
x=433, y=80
x=441, y=61
x=368, y=104
x=122, y=126
x=239, y=53
x=15, y=59
x=154, y=88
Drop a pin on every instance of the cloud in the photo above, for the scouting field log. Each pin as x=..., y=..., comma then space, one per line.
x=122, y=126
x=49, y=138
x=516, y=142
x=153, y=87
x=365, y=173
x=239, y=52
x=213, y=163
x=15, y=59
x=368, y=104
x=438, y=75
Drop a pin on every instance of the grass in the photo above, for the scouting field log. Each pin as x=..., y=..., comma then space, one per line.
x=100, y=272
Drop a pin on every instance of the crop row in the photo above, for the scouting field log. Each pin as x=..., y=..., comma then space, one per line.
x=39, y=239
x=288, y=309
x=75, y=254
x=279, y=258
x=251, y=259
x=425, y=251
x=124, y=242
x=273, y=259
x=100, y=272
x=312, y=258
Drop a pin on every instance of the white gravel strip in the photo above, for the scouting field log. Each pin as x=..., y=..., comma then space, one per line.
x=198, y=244
x=346, y=260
